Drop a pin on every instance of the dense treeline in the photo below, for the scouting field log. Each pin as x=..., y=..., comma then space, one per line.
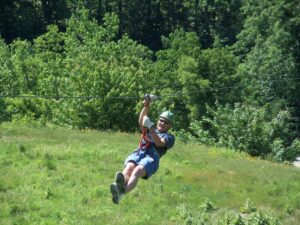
x=228, y=69
x=144, y=21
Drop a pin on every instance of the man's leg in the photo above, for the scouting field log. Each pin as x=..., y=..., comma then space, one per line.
x=118, y=189
x=138, y=172
x=130, y=166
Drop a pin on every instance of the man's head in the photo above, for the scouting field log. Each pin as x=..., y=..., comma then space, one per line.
x=165, y=121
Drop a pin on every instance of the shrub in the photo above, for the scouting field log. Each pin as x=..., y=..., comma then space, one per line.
x=29, y=110
x=250, y=129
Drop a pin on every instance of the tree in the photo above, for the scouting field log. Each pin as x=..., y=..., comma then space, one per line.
x=215, y=20
x=266, y=46
x=28, y=19
x=20, y=19
x=6, y=80
x=55, y=12
x=219, y=66
x=177, y=78
x=105, y=69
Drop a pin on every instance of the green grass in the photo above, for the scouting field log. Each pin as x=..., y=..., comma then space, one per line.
x=62, y=176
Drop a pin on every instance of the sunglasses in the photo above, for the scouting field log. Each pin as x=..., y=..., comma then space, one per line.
x=164, y=121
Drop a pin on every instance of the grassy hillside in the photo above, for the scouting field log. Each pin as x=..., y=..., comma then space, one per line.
x=62, y=176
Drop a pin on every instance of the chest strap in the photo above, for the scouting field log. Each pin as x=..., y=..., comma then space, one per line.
x=145, y=138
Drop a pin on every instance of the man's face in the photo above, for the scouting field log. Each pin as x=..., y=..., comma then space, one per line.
x=163, y=125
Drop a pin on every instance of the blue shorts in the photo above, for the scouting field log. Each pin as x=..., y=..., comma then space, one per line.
x=149, y=159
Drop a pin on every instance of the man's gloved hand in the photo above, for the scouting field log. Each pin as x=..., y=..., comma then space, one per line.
x=147, y=122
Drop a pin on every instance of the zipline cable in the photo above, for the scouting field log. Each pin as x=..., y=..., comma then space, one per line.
x=177, y=95
x=68, y=97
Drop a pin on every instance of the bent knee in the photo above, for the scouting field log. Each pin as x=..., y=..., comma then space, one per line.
x=130, y=166
x=140, y=171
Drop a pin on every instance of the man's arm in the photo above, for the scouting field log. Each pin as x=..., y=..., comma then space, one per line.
x=159, y=142
x=143, y=113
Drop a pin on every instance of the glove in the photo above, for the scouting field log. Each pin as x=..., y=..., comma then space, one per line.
x=147, y=122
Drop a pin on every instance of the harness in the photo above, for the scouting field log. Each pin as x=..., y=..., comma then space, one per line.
x=144, y=137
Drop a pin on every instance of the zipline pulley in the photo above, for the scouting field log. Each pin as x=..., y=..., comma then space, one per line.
x=150, y=97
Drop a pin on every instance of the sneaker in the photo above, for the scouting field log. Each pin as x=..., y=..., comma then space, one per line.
x=120, y=181
x=115, y=193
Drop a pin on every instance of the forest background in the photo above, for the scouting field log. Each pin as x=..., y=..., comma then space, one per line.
x=229, y=69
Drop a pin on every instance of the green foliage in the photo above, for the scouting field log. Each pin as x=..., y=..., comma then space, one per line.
x=177, y=76
x=260, y=219
x=143, y=21
x=29, y=110
x=219, y=66
x=215, y=21
x=188, y=215
x=49, y=57
x=20, y=19
x=207, y=206
x=84, y=61
x=249, y=207
x=267, y=42
x=22, y=75
x=268, y=69
x=5, y=69
x=249, y=129
x=103, y=68
x=188, y=78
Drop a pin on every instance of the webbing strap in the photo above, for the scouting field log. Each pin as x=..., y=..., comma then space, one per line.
x=145, y=138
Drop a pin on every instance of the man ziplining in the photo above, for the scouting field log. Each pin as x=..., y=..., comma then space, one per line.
x=144, y=161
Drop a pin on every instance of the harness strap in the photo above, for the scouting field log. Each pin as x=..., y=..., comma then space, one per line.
x=145, y=138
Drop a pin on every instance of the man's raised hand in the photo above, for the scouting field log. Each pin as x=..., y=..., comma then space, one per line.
x=147, y=122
